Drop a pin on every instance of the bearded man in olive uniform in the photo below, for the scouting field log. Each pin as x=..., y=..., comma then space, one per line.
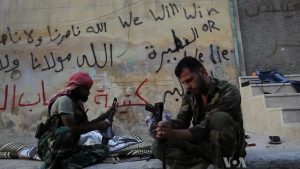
x=213, y=107
x=58, y=146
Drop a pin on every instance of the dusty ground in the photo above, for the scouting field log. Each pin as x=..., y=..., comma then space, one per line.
x=263, y=155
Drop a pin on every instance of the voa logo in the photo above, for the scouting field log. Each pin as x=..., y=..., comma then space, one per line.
x=233, y=162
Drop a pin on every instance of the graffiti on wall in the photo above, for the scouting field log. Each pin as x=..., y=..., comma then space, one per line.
x=270, y=7
x=101, y=97
x=138, y=51
x=270, y=35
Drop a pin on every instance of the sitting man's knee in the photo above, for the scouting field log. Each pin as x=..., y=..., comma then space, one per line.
x=220, y=120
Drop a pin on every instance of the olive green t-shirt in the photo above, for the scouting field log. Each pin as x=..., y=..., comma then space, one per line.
x=61, y=105
x=65, y=105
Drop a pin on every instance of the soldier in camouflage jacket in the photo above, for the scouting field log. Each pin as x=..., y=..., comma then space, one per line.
x=213, y=108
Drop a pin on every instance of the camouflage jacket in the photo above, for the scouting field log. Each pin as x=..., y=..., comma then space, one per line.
x=222, y=96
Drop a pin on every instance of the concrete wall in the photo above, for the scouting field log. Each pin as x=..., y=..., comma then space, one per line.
x=129, y=47
x=270, y=34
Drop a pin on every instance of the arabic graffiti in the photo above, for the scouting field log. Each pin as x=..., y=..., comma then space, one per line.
x=4, y=64
x=59, y=59
x=54, y=34
x=175, y=90
x=4, y=37
x=23, y=101
x=85, y=59
x=127, y=102
x=100, y=27
x=216, y=54
x=103, y=55
x=178, y=46
x=58, y=62
x=169, y=10
x=269, y=7
x=101, y=97
x=5, y=98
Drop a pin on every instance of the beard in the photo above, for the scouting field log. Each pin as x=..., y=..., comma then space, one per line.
x=202, y=87
x=84, y=98
x=76, y=95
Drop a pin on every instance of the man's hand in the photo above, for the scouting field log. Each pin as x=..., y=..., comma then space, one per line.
x=107, y=113
x=68, y=121
x=164, y=131
x=102, y=125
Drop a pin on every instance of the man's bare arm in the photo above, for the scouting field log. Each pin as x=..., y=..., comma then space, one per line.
x=69, y=121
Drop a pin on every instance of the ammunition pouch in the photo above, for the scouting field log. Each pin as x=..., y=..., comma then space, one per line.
x=51, y=123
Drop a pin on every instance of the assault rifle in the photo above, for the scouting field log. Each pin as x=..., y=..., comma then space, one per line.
x=109, y=134
x=157, y=111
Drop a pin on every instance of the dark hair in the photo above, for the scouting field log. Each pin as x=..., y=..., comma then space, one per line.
x=188, y=62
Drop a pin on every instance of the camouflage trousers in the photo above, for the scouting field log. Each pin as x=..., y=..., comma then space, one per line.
x=58, y=148
x=221, y=142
